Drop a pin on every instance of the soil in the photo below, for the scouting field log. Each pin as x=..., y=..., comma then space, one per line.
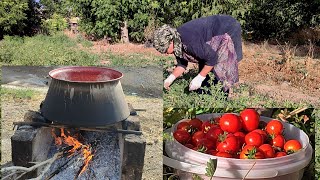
x=297, y=79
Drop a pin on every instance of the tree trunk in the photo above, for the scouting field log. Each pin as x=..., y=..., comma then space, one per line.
x=124, y=33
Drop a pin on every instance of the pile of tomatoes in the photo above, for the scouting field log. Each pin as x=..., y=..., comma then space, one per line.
x=241, y=136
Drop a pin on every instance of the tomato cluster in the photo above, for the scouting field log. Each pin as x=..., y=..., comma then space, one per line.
x=241, y=136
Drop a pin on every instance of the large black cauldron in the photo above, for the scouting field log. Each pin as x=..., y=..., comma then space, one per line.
x=85, y=97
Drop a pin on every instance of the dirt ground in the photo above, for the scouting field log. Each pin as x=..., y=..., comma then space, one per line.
x=297, y=78
x=14, y=110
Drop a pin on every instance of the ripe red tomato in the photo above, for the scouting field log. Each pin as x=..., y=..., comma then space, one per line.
x=241, y=137
x=196, y=123
x=262, y=133
x=267, y=150
x=207, y=125
x=184, y=126
x=224, y=154
x=190, y=146
x=280, y=154
x=214, y=133
x=278, y=141
x=229, y=145
x=206, y=143
x=250, y=119
x=254, y=138
x=181, y=136
x=292, y=146
x=196, y=137
x=251, y=152
x=230, y=123
x=274, y=127
x=212, y=152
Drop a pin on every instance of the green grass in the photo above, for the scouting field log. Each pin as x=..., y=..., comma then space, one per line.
x=84, y=42
x=18, y=93
x=58, y=49
x=44, y=50
x=135, y=59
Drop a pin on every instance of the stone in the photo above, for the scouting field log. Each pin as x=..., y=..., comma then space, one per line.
x=132, y=148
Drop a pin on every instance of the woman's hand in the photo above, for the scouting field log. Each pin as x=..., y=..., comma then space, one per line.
x=168, y=81
x=176, y=73
x=196, y=82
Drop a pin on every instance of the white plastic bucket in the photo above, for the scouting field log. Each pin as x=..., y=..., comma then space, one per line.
x=291, y=167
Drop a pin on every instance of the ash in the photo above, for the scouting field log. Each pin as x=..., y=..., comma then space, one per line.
x=105, y=163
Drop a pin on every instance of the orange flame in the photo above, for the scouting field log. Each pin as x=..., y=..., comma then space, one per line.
x=71, y=141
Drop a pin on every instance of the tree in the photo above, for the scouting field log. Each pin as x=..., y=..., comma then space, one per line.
x=18, y=17
x=12, y=14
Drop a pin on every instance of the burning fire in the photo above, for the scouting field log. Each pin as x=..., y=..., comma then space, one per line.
x=77, y=145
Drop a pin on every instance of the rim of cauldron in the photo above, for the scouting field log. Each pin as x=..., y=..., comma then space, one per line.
x=53, y=72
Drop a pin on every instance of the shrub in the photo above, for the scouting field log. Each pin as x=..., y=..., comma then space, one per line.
x=55, y=24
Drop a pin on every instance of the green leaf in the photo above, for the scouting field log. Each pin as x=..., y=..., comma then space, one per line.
x=196, y=177
x=211, y=167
